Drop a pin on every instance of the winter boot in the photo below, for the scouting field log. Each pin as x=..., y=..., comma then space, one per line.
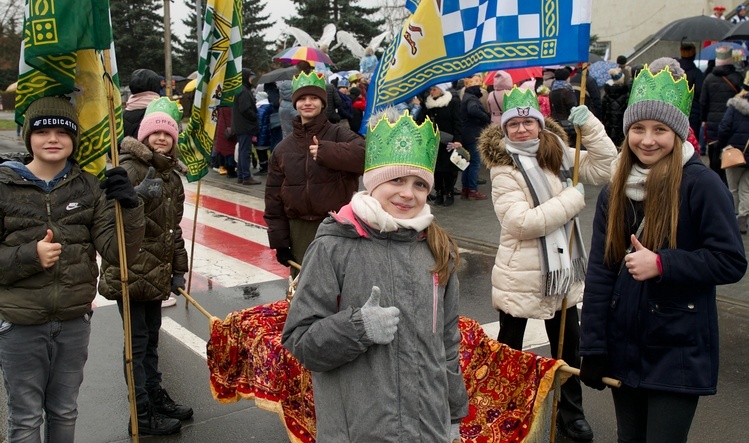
x=449, y=199
x=464, y=193
x=440, y=199
x=263, y=169
x=153, y=423
x=164, y=405
x=473, y=194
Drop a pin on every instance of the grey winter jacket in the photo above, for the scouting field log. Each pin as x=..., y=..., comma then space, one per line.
x=163, y=251
x=81, y=219
x=407, y=391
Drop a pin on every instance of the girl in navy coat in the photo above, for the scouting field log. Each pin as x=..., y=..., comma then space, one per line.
x=664, y=236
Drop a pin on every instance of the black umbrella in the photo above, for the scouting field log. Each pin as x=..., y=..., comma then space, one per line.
x=593, y=57
x=278, y=75
x=739, y=31
x=694, y=29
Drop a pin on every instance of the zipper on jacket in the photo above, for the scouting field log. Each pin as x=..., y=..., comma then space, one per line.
x=57, y=265
x=435, y=300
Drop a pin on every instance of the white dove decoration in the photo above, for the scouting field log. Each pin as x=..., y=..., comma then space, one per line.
x=348, y=40
x=304, y=39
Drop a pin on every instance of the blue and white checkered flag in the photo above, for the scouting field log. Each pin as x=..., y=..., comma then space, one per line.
x=445, y=40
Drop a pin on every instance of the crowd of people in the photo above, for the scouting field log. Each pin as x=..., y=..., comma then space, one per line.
x=667, y=231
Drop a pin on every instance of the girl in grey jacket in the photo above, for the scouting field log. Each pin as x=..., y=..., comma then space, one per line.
x=375, y=317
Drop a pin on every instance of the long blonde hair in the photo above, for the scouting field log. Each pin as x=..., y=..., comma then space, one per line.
x=445, y=250
x=661, y=215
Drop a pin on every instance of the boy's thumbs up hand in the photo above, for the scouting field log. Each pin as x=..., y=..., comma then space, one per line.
x=48, y=251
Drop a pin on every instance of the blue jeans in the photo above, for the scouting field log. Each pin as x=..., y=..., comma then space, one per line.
x=244, y=156
x=43, y=371
x=470, y=176
x=145, y=322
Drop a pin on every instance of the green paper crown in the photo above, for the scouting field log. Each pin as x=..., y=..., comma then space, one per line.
x=312, y=79
x=520, y=98
x=402, y=143
x=662, y=87
x=169, y=107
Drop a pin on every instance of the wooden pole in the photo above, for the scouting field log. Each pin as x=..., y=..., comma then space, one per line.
x=608, y=381
x=192, y=247
x=563, y=318
x=167, y=49
x=120, y=227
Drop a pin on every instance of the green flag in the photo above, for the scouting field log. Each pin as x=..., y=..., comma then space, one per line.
x=219, y=80
x=68, y=50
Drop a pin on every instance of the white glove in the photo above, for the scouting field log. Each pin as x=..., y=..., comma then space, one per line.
x=454, y=432
x=579, y=186
x=380, y=324
x=579, y=115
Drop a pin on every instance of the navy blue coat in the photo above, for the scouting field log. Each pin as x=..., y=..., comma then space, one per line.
x=734, y=127
x=662, y=334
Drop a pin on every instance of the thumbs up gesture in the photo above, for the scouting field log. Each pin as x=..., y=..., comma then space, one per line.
x=48, y=251
x=380, y=324
x=642, y=262
x=150, y=187
x=314, y=147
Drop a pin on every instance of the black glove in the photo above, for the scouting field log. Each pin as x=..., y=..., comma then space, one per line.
x=117, y=186
x=150, y=188
x=284, y=255
x=178, y=282
x=592, y=370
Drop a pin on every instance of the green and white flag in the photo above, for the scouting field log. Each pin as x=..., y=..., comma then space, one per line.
x=68, y=50
x=219, y=80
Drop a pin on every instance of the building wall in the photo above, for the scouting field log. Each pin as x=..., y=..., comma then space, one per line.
x=626, y=24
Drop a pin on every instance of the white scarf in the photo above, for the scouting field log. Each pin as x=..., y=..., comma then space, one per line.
x=370, y=211
x=634, y=187
x=560, y=267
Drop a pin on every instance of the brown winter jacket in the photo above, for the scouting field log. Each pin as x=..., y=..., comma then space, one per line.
x=299, y=187
x=163, y=252
x=82, y=220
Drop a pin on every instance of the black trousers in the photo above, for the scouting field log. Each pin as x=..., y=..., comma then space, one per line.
x=444, y=181
x=644, y=415
x=145, y=321
x=511, y=332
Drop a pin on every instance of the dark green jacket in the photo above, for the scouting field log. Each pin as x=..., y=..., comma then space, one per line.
x=163, y=251
x=82, y=220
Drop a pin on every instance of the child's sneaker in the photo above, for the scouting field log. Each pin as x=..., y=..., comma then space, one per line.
x=222, y=170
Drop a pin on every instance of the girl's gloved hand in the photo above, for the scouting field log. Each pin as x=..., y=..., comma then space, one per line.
x=579, y=115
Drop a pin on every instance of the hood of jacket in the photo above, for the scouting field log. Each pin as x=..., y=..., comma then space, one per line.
x=491, y=143
x=439, y=102
x=502, y=81
x=285, y=89
x=722, y=71
x=741, y=104
x=131, y=146
x=144, y=80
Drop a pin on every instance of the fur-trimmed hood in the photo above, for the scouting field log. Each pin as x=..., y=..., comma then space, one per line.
x=491, y=143
x=142, y=152
x=741, y=104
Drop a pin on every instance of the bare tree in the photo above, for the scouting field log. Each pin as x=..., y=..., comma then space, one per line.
x=394, y=14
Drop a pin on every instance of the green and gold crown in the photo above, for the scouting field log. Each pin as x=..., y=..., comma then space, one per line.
x=662, y=87
x=520, y=98
x=312, y=79
x=402, y=143
x=167, y=106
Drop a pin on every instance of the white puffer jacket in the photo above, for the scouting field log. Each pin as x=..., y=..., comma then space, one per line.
x=517, y=284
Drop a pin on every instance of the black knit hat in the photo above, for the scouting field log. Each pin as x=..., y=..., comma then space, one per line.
x=51, y=112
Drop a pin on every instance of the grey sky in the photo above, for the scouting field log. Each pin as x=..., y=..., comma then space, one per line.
x=278, y=10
